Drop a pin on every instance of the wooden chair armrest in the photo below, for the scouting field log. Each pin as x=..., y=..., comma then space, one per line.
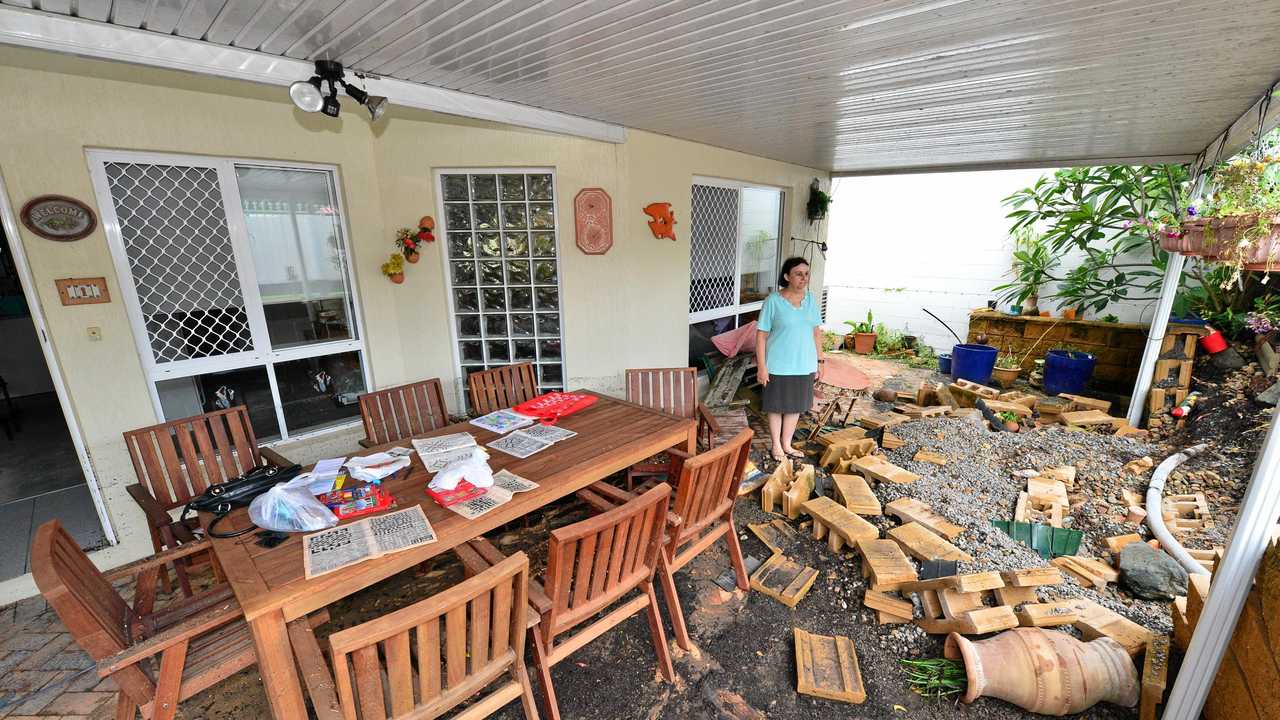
x=315, y=671
x=612, y=493
x=594, y=501
x=158, y=559
x=705, y=417
x=223, y=614
x=366, y=443
x=271, y=456
x=480, y=554
x=604, y=497
x=157, y=515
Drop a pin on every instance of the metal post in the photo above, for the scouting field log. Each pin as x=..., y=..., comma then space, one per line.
x=1155, y=336
x=1232, y=581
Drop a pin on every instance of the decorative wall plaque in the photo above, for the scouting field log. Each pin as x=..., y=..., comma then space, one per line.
x=593, y=221
x=57, y=217
x=662, y=220
x=83, y=291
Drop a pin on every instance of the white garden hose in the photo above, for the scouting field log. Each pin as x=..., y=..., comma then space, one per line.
x=1155, y=514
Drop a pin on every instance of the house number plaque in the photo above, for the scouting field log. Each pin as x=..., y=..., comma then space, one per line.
x=83, y=291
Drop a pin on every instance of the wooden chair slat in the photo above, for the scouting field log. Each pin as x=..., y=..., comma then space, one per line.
x=179, y=485
x=222, y=446
x=582, y=576
x=244, y=446
x=399, y=673
x=369, y=682
x=208, y=456
x=480, y=626
x=501, y=387
x=429, y=660
x=403, y=411
x=196, y=473
x=500, y=640
x=599, y=572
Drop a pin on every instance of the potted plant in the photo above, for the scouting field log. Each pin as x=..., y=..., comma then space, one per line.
x=819, y=203
x=864, y=335
x=393, y=268
x=1033, y=261
x=1006, y=370
x=1067, y=369
x=1238, y=224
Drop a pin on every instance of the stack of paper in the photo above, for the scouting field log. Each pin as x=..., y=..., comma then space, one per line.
x=501, y=421
x=531, y=440
x=437, y=452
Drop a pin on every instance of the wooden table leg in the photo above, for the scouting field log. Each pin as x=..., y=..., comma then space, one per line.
x=691, y=444
x=275, y=665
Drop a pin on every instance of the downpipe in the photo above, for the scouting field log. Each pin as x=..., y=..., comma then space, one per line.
x=1155, y=514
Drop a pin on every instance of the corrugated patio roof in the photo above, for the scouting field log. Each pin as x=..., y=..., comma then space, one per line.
x=855, y=86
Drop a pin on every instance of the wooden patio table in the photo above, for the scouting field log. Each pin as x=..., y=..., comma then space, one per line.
x=270, y=583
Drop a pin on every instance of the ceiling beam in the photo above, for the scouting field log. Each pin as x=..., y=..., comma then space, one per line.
x=34, y=29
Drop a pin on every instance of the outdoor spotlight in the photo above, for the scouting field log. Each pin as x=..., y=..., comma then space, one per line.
x=356, y=93
x=331, y=105
x=306, y=95
x=376, y=106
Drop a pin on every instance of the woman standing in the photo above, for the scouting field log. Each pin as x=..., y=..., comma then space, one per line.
x=788, y=353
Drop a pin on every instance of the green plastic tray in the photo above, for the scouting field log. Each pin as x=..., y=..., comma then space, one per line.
x=1049, y=541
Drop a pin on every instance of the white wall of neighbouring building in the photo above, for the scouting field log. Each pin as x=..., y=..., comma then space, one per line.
x=899, y=243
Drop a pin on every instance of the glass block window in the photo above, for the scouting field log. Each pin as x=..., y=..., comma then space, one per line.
x=504, y=270
x=736, y=232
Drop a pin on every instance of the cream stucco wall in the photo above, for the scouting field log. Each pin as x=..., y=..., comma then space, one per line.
x=627, y=308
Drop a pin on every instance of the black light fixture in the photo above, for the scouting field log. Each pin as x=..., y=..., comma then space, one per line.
x=309, y=96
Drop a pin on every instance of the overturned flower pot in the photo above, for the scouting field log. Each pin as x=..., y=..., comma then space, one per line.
x=1045, y=671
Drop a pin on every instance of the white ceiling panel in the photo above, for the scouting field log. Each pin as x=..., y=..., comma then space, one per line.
x=855, y=86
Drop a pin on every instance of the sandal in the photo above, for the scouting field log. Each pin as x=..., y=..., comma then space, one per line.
x=795, y=453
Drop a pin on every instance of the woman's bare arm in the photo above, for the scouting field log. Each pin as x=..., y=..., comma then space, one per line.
x=762, y=370
x=817, y=344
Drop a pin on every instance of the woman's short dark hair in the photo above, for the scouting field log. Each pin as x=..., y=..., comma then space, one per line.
x=790, y=264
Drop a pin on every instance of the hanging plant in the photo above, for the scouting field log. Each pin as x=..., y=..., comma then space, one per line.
x=819, y=202
x=393, y=268
x=409, y=240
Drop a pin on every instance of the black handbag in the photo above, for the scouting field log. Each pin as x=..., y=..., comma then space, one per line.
x=222, y=498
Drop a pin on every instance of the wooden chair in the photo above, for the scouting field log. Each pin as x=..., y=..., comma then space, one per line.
x=392, y=667
x=673, y=391
x=591, y=566
x=702, y=513
x=157, y=658
x=177, y=460
x=501, y=387
x=403, y=411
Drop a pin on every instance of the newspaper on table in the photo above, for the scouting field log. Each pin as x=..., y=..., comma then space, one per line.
x=519, y=445
x=548, y=433
x=502, y=421
x=345, y=545
x=505, y=485
x=437, y=452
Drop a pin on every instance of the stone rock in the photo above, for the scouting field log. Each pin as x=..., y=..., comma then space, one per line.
x=1228, y=359
x=1151, y=574
x=1271, y=395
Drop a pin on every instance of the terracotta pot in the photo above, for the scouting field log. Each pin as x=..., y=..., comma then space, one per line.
x=1012, y=426
x=1046, y=671
x=1217, y=238
x=1005, y=376
x=864, y=343
x=397, y=278
x=1069, y=314
x=412, y=256
x=1045, y=313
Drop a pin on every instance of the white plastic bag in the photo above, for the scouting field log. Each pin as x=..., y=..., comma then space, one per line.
x=375, y=467
x=474, y=468
x=290, y=507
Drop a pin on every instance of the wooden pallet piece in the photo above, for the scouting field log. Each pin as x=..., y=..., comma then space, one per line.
x=1083, y=573
x=927, y=394
x=1197, y=595
x=885, y=565
x=777, y=535
x=912, y=510
x=823, y=419
x=1018, y=397
x=849, y=450
x=1155, y=675
x=1048, y=614
x=1116, y=543
x=794, y=498
x=1089, y=418
x=1098, y=621
x=991, y=619
x=972, y=582
x=930, y=457
x=1042, y=491
x=1080, y=402
x=783, y=579
x=1032, y=577
x=944, y=626
x=856, y=494
x=827, y=667
x=1066, y=474
x=917, y=412
x=999, y=406
x=884, y=618
x=778, y=482
x=838, y=524
x=956, y=604
x=889, y=441
x=1014, y=596
x=726, y=383
x=1021, y=507
x=966, y=393
x=1182, y=628
x=839, y=436
x=877, y=420
x=929, y=601
x=922, y=544
x=877, y=468
x=885, y=603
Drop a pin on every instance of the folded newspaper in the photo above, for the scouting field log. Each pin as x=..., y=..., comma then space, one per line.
x=333, y=549
x=505, y=485
x=438, y=452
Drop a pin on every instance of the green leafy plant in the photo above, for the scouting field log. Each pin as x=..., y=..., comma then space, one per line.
x=888, y=340
x=1110, y=318
x=1007, y=361
x=819, y=203
x=935, y=677
x=1033, y=263
x=1248, y=190
x=862, y=327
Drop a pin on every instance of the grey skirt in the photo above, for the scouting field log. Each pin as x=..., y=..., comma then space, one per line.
x=788, y=394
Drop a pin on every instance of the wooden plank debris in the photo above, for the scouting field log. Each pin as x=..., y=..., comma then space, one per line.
x=1014, y=596
x=777, y=535
x=972, y=582
x=1183, y=513
x=1080, y=402
x=794, y=498
x=1155, y=674
x=776, y=485
x=847, y=450
x=856, y=494
x=885, y=565
x=991, y=619
x=1089, y=572
x=728, y=380
x=888, y=604
x=1048, y=614
x=783, y=579
x=912, y=510
x=929, y=456
x=922, y=544
x=891, y=442
x=1116, y=543
x=916, y=412
x=1086, y=418
x=1032, y=577
x=1098, y=621
x=956, y=604
x=999, y=406
x=840, y=436
x=878, y=468
x=965, y=393
x=1043, y=491
x=838, y=524
x=1181, y=626
x=1066, y=474
x=827, y=667
x=1018, y=397
x=877, y=420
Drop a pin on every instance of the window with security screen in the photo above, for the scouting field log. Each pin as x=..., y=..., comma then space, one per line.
x=236, y=278
x=500, y=233
x=736, y=231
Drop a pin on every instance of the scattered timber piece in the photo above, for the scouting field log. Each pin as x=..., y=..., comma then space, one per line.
x=878, y=468
x=999, y=406
x=956, y=604
x=779, y=480
x=801, y=488
x=927, y=394
x=1098, y=621
x=1139, y=466
x=966, y=393
x=1250, y=645
x=838, y=524
x=889, y=604
x=1050, y=409
x=1014, y=596
x=885, y=618
x=777, y=535
x=944, y=626
x=752, y=479
x=929, y=601
x=1230, y=697
x=904, y=396
x=972, y=582
x=1042, y=491
x=877, y=420
x=990, y=619
x=1136, y=514
x=917, y=412
x=1207, y=558
x=823, y=419
x=912, y=510
x=1032, y=577
x=1018, y=397
x=1197, y=594
x=1155, y=674
x=1187, y=512
x=1131, y=497
x=1127, y=430
x=1048, y=614
x=827, y=667
x=891, y=442
x=849, y=450
x=885, y=565
x=1086, y=418
x=1181, y=626
x=1080, y=402
x=839, y=436
x=1066, y=474
x=1088, y=571
x=1020, y=509
x=924, y=545
x=728, y=380
x=783, y=579
x=856, y=494
x=1116, y=543
x=930, y=457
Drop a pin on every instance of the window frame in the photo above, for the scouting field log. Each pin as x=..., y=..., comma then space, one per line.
x=262, y=354
x=437, y=175
x=740, y=308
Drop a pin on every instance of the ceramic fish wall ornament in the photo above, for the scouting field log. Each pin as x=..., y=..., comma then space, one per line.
x=663, y=221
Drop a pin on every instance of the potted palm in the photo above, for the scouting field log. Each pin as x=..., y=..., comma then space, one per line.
x=862, y=338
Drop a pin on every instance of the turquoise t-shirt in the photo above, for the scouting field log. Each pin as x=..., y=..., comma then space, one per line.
x=789, y=349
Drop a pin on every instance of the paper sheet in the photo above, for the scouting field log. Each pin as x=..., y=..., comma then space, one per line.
x=548, y=433
x=505, y=485
x=521, y=446
x=501, y=421
x=333, y=549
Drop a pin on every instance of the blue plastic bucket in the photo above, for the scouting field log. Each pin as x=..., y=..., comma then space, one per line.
x=944, y=363
x=973, y=362
x=1067, y=372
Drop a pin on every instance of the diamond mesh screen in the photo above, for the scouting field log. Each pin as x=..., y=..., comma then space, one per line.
x=714, y=254
x=175, y=235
